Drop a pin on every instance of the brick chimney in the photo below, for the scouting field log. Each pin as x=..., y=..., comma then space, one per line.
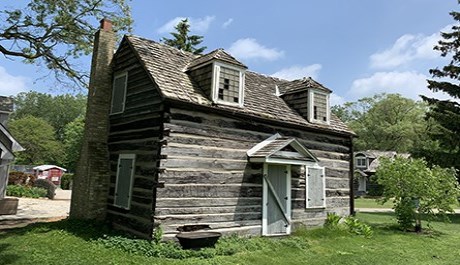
x=91, y=180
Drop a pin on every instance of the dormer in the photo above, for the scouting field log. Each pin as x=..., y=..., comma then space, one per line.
x=309, y=98
x=220, y=76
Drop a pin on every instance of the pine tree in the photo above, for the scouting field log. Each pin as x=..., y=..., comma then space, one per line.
x=446, y=113
x=183, y=41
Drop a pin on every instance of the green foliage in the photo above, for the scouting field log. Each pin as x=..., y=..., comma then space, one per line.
x=387, y=122
x=350, y=224
x=78, y=244
x=374, y=189
x=73, y=139
x=446, y=112
x=181, y=40
x=20, y=178
x=37, y=137
x=48, y=186
x=66, y=179
x=357, y=227
x=417, y=189
x=53, y=34
x=332, y=220
x=25, y=191
x=58, y=111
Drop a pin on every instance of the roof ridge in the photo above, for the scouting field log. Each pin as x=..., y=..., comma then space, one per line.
x=163, y=45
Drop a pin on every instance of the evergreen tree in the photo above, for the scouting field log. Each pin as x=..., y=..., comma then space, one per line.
x=183, y=41
x=446, y=112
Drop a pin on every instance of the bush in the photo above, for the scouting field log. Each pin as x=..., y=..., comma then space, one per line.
x=25, y=191
x=20, y=178
x=66, y=179
x=350, y=224
x=47, y=185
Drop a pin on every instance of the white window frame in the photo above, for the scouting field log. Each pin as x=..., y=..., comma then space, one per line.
x=215, y=85
x=113, y=92
x=361, y=158
x=323, y=169
x=311, y=99
x=120, y=157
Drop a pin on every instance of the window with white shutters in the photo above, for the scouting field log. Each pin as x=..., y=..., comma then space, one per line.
x=316, y=192
x=119, y=93
x=123, y=187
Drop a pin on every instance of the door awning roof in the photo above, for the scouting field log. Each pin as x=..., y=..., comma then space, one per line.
x=281, y=150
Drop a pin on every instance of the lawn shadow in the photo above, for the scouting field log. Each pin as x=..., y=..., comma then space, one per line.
x=7, y=258
x=387, y=223
x=85, y=229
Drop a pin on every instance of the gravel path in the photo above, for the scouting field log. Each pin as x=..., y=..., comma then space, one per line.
x=38, y=210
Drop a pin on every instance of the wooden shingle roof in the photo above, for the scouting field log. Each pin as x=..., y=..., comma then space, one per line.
x=218, y=54
x=168, y=68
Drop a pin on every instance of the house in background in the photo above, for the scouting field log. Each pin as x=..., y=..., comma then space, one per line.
x=202, y=142
x=50, y=172
x=366, y=164
x=8, y=145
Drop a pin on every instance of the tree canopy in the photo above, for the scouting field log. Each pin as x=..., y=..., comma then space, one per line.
x=387, y=122
x=183, y=41
x=417, y=189
x=52, y=34
x=58, y=110
x=446, y=112
x=37, y=136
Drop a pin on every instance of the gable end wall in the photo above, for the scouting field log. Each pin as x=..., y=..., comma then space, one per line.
x=138, y=130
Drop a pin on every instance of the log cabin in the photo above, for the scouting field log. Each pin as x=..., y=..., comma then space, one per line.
x=200, y=141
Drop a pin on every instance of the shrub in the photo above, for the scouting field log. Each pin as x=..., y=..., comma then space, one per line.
x=20, y=178
x=332, y=220
x=357, y=227
x=66, y=179
x=351, y=224
x=47, y=185
x=25, y=191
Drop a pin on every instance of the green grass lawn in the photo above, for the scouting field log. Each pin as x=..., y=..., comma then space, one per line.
x=68, y=242
x=371, y=203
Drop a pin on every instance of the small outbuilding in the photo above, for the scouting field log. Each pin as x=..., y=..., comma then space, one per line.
x=51, y=172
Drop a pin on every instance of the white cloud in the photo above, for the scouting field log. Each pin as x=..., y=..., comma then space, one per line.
x=409, y=84
x=199, y=25
x=298, y=72
x=406, y=49
x=250, y=49
x=336, y=99
x=227, y=23
x=11, y=85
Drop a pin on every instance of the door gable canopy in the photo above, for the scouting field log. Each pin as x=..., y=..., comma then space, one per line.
x=281, y=150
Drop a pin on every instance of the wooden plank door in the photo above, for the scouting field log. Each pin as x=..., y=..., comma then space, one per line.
x=277, y=201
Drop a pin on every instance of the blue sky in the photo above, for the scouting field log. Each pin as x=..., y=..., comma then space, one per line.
x=356, y=48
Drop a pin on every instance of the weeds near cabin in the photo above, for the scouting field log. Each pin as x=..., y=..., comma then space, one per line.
x=350, y=224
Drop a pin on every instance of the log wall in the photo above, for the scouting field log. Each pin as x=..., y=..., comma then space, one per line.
x=138, y=130
x=208, y=181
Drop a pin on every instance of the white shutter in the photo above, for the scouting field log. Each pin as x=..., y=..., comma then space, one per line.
x=119, y=93
x=123, y=186
x=315, y=190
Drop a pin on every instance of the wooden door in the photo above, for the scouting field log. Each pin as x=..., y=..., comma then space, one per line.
x=277, y=201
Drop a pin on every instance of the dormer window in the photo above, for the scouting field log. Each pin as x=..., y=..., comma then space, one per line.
x=318, y=106
x=228, y=85
x=361, y=162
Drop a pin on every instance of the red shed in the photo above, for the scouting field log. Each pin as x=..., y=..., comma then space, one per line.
x=51, y=172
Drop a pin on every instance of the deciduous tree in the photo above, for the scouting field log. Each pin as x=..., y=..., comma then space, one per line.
x=53, y=33
x=417, y=190
x=385, y=122
x=58, y=110
x=38, y=138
